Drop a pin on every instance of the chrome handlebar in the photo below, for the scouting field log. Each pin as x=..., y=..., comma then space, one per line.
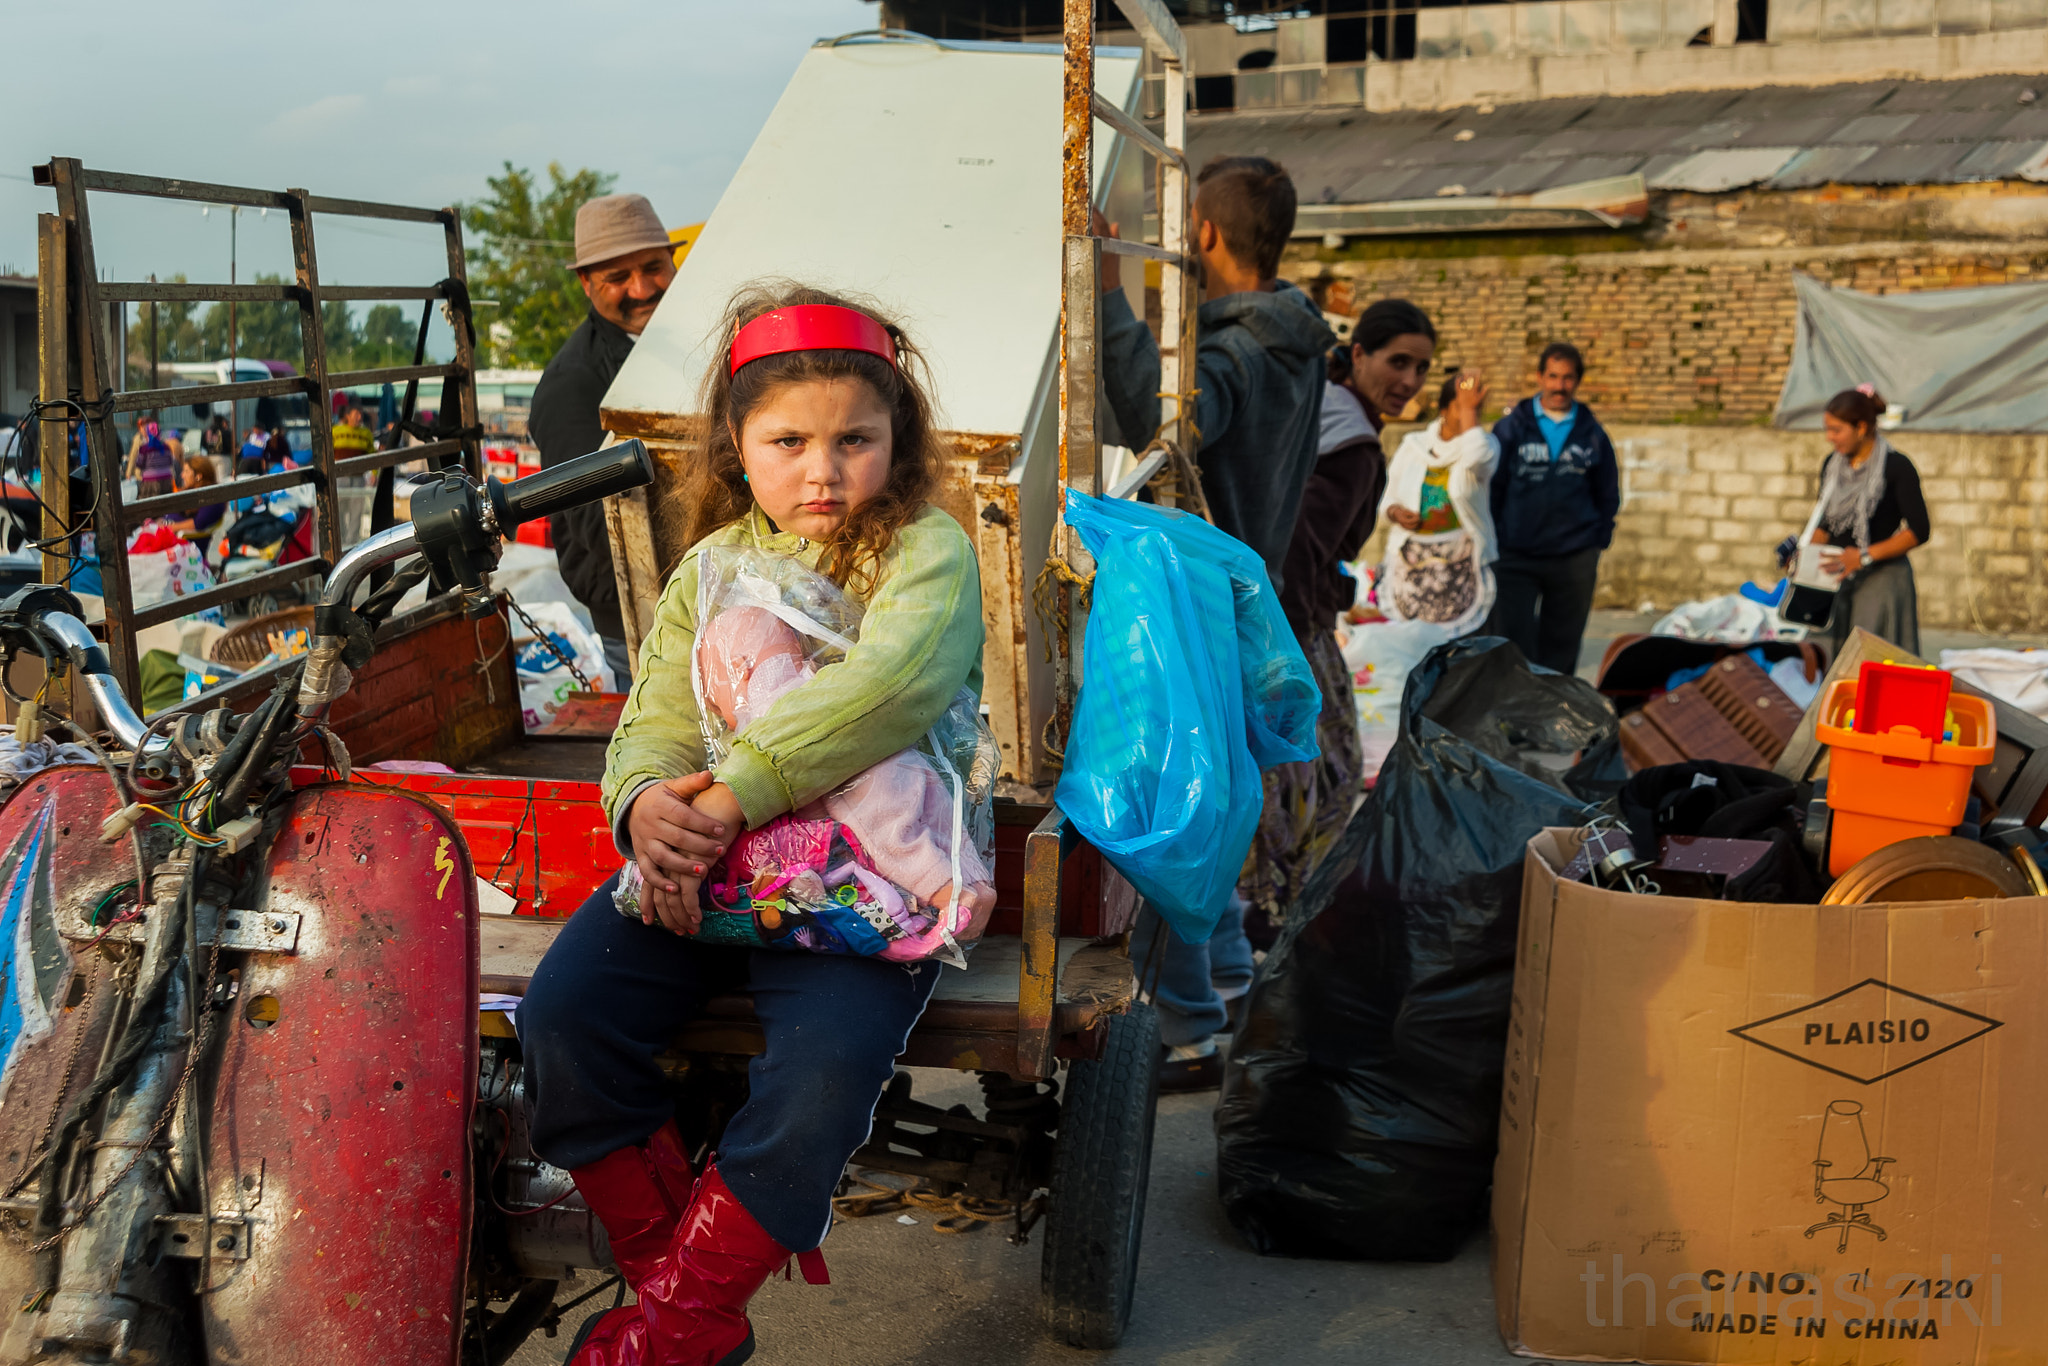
x=89, y=658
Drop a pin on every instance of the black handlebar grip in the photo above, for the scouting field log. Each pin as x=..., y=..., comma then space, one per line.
x=586, y=479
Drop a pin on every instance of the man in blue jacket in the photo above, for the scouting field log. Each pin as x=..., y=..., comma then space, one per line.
x=1554, y=498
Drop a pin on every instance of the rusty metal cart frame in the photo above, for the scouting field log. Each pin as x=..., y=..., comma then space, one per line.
x=74, y=364
x=1073, y=1149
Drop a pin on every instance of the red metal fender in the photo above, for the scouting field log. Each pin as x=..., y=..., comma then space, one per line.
x=341, y=1119
x=56, y=1000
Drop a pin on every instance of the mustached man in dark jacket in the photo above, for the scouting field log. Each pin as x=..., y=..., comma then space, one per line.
x=1555, y=496
x=1259, y=366
x=625, y=263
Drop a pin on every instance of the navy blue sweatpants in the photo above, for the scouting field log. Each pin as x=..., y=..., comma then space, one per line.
x=612, y=993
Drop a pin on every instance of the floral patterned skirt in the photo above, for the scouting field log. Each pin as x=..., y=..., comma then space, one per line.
x=1306, y=804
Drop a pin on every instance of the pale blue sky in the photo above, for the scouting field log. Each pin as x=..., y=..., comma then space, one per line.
x=414, y=103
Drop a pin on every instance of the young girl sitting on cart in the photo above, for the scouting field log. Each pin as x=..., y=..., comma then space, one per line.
x=819, y=444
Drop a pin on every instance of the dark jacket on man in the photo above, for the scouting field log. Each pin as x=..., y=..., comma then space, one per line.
x=1547, y=507
x=1259, y=366
x=564, y=424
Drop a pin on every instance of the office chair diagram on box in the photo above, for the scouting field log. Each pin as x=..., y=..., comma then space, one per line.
x=1846, y=1175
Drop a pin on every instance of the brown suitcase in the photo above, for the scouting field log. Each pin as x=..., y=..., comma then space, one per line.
x=1644, y=746
x=1697, y=729
x=1755, y=706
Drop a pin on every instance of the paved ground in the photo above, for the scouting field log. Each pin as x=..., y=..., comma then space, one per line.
x=905, y=1294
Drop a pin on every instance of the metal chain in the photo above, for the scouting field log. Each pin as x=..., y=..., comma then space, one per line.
x=42, y=1147
x=957, y=1213
x=547, y=642
x=204, y=1006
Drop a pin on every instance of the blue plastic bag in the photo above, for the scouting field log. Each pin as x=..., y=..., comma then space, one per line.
x=1191, y=682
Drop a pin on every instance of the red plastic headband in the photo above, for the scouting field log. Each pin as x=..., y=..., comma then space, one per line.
x=811, y=327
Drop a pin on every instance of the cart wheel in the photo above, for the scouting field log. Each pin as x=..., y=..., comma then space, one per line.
x=1101, y=1161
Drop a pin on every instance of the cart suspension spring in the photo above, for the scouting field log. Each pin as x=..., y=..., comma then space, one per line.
x=1029, y=1105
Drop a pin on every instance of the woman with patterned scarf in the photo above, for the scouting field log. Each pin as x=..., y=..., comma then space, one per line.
x=1871, y=507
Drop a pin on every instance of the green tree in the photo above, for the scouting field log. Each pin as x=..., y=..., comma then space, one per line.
x=524, y=238
x=270, y=331
x=388, y=336
x=180, y=334
x=338, y=330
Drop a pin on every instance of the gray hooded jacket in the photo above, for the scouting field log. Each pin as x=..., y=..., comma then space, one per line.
x=1259, y=365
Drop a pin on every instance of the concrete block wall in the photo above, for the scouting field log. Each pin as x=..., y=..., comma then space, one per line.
x=1704, y=505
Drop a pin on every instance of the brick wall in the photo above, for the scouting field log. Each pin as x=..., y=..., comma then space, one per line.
x=1669, y=336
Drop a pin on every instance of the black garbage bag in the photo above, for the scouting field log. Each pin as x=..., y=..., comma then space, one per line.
x=1362, y=1097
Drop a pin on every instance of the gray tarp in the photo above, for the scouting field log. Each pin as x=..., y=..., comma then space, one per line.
x=1957, y=360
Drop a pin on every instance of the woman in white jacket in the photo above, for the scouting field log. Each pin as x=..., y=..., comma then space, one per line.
x=1440, y=544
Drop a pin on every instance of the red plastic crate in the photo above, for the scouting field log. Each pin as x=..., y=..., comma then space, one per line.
x=1893, y=695
x=543, y=842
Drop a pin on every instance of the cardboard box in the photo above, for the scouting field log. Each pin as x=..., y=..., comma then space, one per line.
x=1678, y=1071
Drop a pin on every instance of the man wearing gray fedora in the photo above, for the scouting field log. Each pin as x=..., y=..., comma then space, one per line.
x=625, y=262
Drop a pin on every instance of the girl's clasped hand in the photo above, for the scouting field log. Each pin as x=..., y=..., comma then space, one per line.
x=676, y=837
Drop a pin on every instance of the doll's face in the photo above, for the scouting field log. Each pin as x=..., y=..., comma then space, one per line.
x=746, y=643
x=815, y=451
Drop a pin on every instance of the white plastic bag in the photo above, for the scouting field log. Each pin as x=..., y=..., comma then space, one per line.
x=544, y=680
x=1729, y=620
x=2016, y=676
x=1380, y=655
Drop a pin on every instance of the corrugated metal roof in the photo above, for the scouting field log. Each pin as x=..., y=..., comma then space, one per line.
x=1723, y=169
x=1873, y=133
x=1517, y=177
x=1996, y=160
x=1788, y=132
x=1955, y=125
x=1913, y=163
x=2030, y=122
x=1820, y=165
x=1876, y=127
x=1578, y=170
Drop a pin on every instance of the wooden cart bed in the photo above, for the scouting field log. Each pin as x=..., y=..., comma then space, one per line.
x=971, y=1022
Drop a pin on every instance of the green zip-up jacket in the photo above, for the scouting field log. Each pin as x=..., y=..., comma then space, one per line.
x=920, y=643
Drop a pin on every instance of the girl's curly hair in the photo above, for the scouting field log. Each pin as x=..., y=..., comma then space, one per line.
x=716, y=490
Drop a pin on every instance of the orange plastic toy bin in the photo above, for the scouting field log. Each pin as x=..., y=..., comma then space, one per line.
x=1899, y=784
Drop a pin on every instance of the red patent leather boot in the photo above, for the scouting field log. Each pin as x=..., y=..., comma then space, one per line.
x=693, y=1310
x=639, y=1194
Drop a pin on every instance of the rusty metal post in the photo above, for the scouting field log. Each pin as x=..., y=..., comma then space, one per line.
x=1176, y=288
x=313, y=338
x=110, y=531
x=1045, y=849
x=1079, y=299
x=463, y=324
x=53, y=435
x=53, y=382
x=1080, y=287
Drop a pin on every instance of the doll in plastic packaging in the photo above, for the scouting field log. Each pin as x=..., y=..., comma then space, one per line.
x=871, y=868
